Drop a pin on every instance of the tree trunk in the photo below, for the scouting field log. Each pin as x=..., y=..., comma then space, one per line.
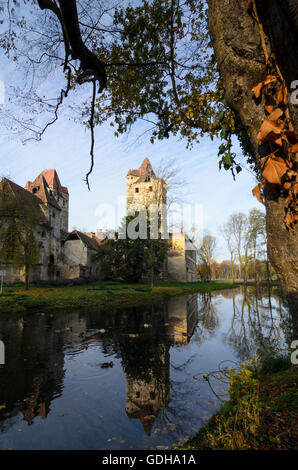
x=232, y=268
x=238, y=49
x=27, y=274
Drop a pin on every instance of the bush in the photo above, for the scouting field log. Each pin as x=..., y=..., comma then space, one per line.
x=276, y=363
x=19, y=297
x=34, y=303
x=143, y=289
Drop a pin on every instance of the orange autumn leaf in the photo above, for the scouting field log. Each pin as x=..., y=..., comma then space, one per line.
x=282, y=95
x=274, y=169
x=295, y=189
x=269, y=108
x=257, y=192
x=291, y=174
x=275, y=115
x=290, y=219
x=257, y=89
x=269, y=131
x=269, y=79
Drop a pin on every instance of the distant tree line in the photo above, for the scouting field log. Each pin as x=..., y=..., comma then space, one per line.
x=246, y=240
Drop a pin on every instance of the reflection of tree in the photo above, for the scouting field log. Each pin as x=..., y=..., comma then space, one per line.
x=33, y=373
x=257, y=325
x=207, y=315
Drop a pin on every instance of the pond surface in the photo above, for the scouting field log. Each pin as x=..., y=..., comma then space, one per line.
x=55, y=394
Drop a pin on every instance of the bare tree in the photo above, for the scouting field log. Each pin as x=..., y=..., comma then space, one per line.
x=225, y=231
x=237, y=226
x=205, y=255
x=170, y=172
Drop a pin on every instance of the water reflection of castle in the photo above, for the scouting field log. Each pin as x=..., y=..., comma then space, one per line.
x=183, y=317
x=36, y=347
x=146, y=397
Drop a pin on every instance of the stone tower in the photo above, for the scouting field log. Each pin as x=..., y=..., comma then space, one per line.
x=61, y=194
x=48, y=188
x=144, y=188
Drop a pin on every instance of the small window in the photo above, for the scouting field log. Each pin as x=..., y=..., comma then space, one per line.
x=137, y=190
x=137, y=394
x=54, y=215
x=150, y=188
x=34, y=190
x=152, y=395
x=147, y=179
x=43, y=234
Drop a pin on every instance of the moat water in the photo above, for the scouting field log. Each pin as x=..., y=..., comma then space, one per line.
x=55, y=392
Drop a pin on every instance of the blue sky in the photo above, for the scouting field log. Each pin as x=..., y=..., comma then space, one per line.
x=65, y=146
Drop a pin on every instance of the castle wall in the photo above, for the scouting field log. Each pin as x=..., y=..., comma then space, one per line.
x=176, y=266
x=181, y=259
x=144, y=193
x=78, y=261
x=64, y=214
x=191, y=266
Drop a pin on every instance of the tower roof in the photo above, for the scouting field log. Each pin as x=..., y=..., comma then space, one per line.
x=144, y=171
x=43, y=192
x=24, y=199
x=52, y=178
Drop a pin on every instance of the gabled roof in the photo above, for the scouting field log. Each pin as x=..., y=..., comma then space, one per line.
x=144, y=414
x=87, y=241
x=25, y=199
x=52, y=178
x=43, y=191
x=144, y=171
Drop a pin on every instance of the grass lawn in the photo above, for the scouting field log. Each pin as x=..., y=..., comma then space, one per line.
x=262, y=412
x=98, y=293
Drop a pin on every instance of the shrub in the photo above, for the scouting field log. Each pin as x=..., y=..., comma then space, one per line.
x=143, y=289
x=275, y=363
x=34, y=303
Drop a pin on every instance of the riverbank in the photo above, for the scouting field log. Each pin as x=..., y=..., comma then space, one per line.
x=98, y=294
x=262, y=412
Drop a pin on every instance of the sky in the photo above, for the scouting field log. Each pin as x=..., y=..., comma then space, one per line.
x=65, y=146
